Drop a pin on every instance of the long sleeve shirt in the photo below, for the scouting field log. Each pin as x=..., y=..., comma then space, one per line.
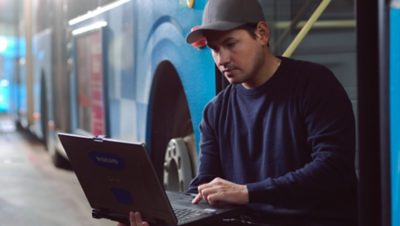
x=291, y=141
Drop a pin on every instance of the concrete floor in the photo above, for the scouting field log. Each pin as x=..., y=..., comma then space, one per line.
x=34, y=192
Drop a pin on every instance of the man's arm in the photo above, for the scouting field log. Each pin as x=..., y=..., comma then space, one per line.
x=330, y=133
x=209, y=161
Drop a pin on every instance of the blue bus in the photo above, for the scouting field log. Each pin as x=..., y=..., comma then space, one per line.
x=122, y=69
x=133, y=77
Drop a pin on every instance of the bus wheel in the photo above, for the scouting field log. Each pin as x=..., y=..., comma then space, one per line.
x=179, y=164
x=169, y=117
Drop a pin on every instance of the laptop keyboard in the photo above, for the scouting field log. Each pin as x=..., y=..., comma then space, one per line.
x=186, y=214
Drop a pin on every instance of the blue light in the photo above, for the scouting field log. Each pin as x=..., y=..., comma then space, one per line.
x=3, y=45
x=11, y=46
x=3, y=98
x=4, y=83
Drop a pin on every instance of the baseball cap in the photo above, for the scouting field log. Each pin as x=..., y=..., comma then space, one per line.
x=224, y=15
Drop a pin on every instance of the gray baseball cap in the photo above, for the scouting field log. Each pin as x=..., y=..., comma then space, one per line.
x=224, y=15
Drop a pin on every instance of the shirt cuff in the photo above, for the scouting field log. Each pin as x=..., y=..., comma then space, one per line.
x=263, y=191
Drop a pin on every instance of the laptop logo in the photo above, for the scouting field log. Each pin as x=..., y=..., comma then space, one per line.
x=107, y=160
x=123, y=196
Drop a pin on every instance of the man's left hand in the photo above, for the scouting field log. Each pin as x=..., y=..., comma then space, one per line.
x=220, y=190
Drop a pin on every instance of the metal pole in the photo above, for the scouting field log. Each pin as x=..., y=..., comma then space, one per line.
x=307, y=27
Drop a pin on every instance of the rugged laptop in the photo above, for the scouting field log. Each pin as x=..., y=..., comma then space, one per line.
x=118, y=176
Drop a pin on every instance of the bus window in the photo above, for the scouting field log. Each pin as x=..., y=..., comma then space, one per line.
x=90, y=83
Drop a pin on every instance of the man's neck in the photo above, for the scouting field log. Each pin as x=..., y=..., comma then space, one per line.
x=268, y=70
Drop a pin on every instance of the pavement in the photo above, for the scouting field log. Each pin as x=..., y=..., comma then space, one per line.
x=32, y=191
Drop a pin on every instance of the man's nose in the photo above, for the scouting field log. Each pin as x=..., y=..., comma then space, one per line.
x=223, y=58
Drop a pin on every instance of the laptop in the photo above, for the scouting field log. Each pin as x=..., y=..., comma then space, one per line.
x=118, y=177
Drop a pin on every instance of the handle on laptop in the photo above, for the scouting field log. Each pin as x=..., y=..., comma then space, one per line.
x=98, y=214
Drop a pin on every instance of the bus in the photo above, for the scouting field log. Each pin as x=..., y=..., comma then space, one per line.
x=133, y=77
x=122, y=69
x=43, y=67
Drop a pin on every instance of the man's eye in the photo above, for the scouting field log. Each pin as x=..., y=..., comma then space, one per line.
x=230, y=44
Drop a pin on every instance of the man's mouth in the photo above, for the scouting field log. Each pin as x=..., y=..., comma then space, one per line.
x=229, y=69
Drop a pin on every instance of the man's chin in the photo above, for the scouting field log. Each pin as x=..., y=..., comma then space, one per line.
x=234, y=81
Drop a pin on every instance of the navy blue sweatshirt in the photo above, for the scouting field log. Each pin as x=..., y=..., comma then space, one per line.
x=290, y=140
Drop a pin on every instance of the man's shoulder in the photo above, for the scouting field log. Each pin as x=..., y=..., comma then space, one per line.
x=219, y=102
x=307, y=71
x=302, y=65
x=222, y=95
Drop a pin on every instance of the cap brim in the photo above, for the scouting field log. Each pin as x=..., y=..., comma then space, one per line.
x=198, y=34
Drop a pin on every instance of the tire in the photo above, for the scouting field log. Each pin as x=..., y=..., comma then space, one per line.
x=178, y=167
x=169, y=115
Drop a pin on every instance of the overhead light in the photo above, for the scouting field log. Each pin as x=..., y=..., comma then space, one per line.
x=3, y=44
x=96, y=12
x=4, y=83
x=90, y=27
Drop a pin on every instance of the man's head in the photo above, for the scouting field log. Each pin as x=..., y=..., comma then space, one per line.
x=241, y=53
x=225, y=15
x=238, y=37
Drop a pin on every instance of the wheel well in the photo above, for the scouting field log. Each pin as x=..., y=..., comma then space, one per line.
x=169, y=113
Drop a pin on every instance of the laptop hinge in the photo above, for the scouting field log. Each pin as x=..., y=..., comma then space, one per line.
x=99, y=138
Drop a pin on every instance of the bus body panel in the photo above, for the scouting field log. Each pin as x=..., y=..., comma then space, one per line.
x=42, y=81
x=137, y=40
x=395, y=111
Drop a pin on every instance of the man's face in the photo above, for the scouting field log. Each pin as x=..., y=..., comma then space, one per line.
x=238, y=55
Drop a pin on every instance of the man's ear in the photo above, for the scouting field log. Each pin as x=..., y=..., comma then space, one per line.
x=263, y=32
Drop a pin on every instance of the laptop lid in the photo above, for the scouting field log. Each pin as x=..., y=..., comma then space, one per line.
x=118, y=177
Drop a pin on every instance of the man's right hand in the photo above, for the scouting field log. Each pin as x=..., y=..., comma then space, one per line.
x=220, y=190
x=135, y=219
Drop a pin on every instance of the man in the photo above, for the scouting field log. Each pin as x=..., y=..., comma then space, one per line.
x=280, y=138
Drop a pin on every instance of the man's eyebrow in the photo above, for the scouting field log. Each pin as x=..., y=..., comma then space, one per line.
x=228, y=39
x=223, y=42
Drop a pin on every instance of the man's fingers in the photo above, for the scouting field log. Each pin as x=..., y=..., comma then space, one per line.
x=215, y=198
x=135, y=219
x=197, y=198
x=210, y=190
x=138, y=218
x=132, y=218
x=222, y=190
x=205, y=190
x=215, y=182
